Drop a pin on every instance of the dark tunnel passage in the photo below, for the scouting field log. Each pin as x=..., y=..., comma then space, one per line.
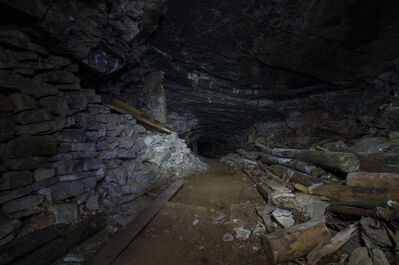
x=180, y=132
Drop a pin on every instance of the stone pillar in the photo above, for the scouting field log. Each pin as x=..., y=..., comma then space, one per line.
x=154, y=83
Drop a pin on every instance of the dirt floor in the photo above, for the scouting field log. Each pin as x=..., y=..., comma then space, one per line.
x=211, y=220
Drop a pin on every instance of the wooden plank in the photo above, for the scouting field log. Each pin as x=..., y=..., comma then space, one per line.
x=121, y=240
x=48, y=245
x=368, y=197
x=333, y=245
x=146, y=123
x=28, y=243
x=140, y=116
x=45, y=254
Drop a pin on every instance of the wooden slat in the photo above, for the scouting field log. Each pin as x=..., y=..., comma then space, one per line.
x=121, y=240
x=146, y=124
x=122, y=107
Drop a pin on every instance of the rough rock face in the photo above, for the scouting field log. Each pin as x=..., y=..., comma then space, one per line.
x=286, y=67
x=227, y=64
x=104, y=36
x=234, y=63
x=64, y=155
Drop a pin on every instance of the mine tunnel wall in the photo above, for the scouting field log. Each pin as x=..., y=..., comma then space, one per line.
x=64, y=155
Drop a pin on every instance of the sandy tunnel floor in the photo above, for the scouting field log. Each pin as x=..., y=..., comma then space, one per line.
x=211, y=220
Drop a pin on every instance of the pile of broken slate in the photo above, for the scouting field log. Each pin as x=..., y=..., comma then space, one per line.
x=333, y=203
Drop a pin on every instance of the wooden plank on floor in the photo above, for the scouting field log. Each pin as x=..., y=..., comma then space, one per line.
x=121, y=239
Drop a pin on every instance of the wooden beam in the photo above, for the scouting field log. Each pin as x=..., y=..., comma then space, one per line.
x=296, y=241
x=122, y=239
x=141, y=117
x=345, y=162
x=373, y=179
x=367, y=197
x=333, y=245
x=371, y=165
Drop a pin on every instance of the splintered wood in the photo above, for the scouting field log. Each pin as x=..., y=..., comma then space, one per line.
x=311, y=195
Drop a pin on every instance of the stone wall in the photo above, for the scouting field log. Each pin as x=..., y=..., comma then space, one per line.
x=64, y=155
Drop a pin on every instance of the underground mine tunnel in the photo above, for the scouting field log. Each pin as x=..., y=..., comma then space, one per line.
x=166, y=132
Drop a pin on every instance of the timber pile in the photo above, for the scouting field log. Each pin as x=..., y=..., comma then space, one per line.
x=323, y=207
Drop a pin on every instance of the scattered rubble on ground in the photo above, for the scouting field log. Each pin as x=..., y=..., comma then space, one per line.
x=334, y=203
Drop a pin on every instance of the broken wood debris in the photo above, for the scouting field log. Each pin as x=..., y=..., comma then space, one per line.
x=312, y=194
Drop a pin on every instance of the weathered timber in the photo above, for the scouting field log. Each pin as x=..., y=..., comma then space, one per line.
x=292, y=163
x=363, y=178
x=379, y=257
x=371, y=165
x=345, y=162
x=262, y=146
x=28, y=243
x=263, y=190
x=43, y=248
x=336, y=242
x=274, y=185
x=296, y=241
x=294, y=176
x=265, y=213
x=368, y=197
x=143, y=118
x=45, y=254
x=301, y=188
x=352, y=211
x=376, y=232
x=82, y=231
x=360, y=256
x=268, y=172
x=250, y=155
x=121, y=240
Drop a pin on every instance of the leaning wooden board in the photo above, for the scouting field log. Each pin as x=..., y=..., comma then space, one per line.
x=147, y=120
x=121, y=240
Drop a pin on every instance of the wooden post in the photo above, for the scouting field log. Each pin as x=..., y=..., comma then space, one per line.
x=296, y=241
